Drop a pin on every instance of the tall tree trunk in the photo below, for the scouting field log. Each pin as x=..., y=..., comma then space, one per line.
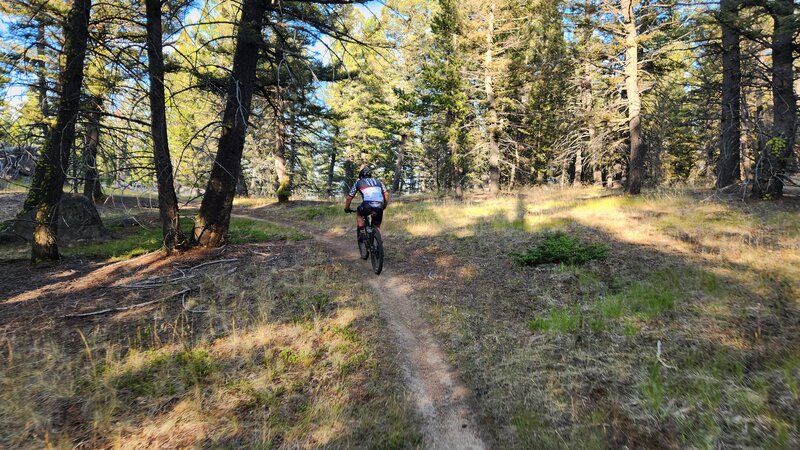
x=167, y=200
x=51, y=168
x=780, y=148
x=576, y=182
x=594, y=152
x=637, y=147
x=91, y=186
x=214, y=218
x=349, y=175
x=491, y=103
x=512, y=179
x=729, y=150
x=331, y=166
x=398, y=166
x=41, y=68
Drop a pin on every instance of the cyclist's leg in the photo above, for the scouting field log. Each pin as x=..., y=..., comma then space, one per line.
x=377, y=218
x=360, y=223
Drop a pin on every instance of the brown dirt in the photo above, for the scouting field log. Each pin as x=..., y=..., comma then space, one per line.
x=441, y=400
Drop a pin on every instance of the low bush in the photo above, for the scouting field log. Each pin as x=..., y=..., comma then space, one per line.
x=561, y=248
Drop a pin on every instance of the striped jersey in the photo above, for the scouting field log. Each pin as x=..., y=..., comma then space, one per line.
x=371, y=189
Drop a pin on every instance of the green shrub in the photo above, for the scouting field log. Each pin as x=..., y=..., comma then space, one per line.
x=561, y=248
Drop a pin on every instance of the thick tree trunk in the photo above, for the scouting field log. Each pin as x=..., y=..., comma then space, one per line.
x=780, y=148
x=398, y=166
x=41, y=68
x=91, y=186
x=51, y=168
x=167, y=200
x=637, y=147
x=729, y=150
x=214, y=219
x=349, y=175
x=491, y=104
x=576, y=181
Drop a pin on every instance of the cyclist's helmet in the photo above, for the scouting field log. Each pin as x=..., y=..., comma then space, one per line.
x=366, y=172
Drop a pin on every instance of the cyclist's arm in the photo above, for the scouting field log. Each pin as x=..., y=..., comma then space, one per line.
x=385, y=196
x=347, y=201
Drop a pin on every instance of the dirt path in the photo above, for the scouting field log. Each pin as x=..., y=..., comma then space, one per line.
x=440, y=398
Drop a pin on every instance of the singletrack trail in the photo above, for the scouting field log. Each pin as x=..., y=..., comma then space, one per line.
x=439, y=397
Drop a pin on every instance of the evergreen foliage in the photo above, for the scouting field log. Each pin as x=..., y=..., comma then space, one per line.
x=561, y=248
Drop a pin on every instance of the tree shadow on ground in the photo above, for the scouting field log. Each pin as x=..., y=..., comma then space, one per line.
x=592, y=377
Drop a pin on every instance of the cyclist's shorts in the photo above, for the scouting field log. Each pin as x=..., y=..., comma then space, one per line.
x=367, y=208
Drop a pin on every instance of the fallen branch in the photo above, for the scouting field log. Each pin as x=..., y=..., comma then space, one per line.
x=658, y=356
x=208, y=263
x=172, y=278
x=126, y=308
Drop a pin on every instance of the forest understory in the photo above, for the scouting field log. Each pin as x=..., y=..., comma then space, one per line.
x=681, y=333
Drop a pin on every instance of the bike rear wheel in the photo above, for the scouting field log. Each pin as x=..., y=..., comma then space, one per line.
x=362, y=248
x=376, y=253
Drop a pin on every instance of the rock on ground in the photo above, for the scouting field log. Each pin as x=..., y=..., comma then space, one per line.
x=76, y=219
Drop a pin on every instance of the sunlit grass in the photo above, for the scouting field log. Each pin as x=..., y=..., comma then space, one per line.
x=287, y=358
x=717, y=281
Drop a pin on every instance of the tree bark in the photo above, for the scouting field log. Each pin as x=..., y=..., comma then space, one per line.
x=167, y=200
x=779, y=149
x=398, y=166
x=51, y=168
x=331, y=166
x=41, y=68
x=576, y=181
x=729, y=151
x=491, y=105
x=213, y=221
x=91, y=187
x=637, y=147
x=349, y=175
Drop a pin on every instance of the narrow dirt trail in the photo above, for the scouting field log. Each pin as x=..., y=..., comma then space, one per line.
x=439, y=397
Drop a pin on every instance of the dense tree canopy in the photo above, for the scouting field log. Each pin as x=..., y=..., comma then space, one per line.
x=438, y=95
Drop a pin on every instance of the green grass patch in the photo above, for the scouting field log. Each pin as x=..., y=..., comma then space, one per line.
x=561, y=248
x=243, y=231
x=318, y=211
x=557, y=320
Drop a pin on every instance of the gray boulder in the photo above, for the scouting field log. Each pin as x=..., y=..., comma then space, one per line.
x=76, y=219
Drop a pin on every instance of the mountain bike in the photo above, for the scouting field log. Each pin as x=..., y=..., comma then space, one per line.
x=372, y=246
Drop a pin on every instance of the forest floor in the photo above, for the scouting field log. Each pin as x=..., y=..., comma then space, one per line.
x=269, y=342
x=686, y=334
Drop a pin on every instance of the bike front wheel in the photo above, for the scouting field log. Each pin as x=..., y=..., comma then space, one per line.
x=376, y=253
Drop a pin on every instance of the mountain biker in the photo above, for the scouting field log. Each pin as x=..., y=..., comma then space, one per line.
x=375, y=199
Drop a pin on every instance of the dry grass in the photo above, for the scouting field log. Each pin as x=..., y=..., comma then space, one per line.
x=567, y=357
x=279, y=349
